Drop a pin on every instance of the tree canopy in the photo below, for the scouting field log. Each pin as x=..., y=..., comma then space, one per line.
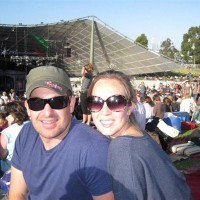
x=142, y=39
x=190, y=47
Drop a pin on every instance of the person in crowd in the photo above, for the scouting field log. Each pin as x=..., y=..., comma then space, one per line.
x=167, y=101
x=16, y=117
x=87, y=71
x=12, y=95
x=148, y=104
x=139, y=168
x=2, y=105
x=198, y=91
x=188, y=104
x=194, y=87
x=142, y=89
x=140, y=112
x=157, y=83
x=55, y=156
x=174, y=103
x=159, y=108
x=5, y=97
x=187, y=88
x=178, y=99
x=3, y=121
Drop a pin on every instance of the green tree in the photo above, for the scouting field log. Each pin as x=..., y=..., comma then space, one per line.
x=142, y=39
x=167, y=49
x=190, y=46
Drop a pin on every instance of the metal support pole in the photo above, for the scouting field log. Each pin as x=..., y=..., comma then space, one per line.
x=92, y=44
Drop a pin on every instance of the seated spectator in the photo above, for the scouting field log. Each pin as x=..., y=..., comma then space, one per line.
x=148, y=104
x=140, y=115
x=159, y=107
x=1, y=105
x=174, y=103
x=12, y=95
x=178, y=98
x=16, y=116
x=168, y=104
x=188, y=105
x=3, y=121
x=196, y=115
x=5, y=97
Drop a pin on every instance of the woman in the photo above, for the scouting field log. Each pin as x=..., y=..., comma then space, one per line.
x=159, y=108
x=148, y=104
x=167, y=101
x=139, y=168
x=16, y=116
x=86, y=80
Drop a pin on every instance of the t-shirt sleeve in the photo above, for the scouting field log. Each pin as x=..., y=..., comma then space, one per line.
x=95, y=170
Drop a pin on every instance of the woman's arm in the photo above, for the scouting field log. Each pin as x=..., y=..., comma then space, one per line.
x=3, y=146
x=83, y=72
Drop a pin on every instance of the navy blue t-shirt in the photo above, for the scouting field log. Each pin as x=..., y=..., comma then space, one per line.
x=74, y=170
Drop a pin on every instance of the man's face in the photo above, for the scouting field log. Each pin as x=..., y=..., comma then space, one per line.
x=51, y=124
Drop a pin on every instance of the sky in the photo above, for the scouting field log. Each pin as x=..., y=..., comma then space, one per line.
x=157, y=19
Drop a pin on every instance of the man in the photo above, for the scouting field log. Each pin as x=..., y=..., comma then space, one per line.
x=55, y=156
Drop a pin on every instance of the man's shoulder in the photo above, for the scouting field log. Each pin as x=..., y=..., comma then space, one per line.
x=27, y=129
x=86, y=133
x=27, y=125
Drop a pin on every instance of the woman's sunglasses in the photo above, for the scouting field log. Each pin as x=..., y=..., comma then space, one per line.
x=37, y=104
x=115, y=103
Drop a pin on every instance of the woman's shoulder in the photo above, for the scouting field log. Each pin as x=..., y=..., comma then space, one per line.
x=126, y=140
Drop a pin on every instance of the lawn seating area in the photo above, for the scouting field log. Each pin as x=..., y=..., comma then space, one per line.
x=189, y=165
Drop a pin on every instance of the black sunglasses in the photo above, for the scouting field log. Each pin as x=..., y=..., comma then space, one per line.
x=115, y=103
x=37, y=104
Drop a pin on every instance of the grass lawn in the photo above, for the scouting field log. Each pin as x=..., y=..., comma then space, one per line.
x=187, y=164
x=186, y=133
x=184, y=71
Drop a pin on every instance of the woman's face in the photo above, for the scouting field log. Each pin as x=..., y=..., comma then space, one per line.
x=108, y=122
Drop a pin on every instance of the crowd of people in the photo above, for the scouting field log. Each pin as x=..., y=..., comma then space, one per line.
x=175, y=97
x=55, y=156
x=13, y=116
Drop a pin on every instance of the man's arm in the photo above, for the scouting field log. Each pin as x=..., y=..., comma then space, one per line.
x=18, y=188
x=107, y=196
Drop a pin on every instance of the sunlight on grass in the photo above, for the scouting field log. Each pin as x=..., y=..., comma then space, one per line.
x=184, y=71
x=187, y=163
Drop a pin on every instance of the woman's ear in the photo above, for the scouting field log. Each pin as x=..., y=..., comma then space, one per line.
x=131, y=107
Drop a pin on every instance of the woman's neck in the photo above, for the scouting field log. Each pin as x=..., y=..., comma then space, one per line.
x=129, y=130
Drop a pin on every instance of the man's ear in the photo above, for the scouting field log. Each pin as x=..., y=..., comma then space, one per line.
x=27, y=108
x=72, y=104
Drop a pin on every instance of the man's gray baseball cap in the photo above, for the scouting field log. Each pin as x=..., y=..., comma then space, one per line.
x=50, y=77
